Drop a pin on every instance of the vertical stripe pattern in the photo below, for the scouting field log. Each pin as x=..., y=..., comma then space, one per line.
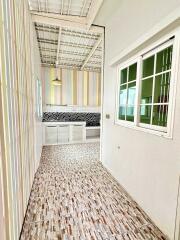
x=19, y=148
x=85, y=81
x=75, y=87
x=52, y=77
x=80, y=88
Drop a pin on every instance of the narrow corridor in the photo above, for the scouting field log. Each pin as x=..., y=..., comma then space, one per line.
x=75, y=198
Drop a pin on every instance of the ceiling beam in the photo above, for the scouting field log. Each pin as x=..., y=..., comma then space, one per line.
x=93, y=69
x=58, y=48
x=39, y=6
x=93, y=11
x=82, y=9
x=62, y=5
x=59, y=20
x=64, y=21
x=91, y=52
x=69, y=6
x=46, y=6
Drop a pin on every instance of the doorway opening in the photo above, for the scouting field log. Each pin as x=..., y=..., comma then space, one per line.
x=72, y=83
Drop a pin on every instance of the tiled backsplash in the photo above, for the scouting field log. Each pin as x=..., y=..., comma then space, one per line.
x=91, y=119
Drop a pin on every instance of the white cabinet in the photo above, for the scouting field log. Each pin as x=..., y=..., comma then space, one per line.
x=77, y=132
x=63, y=134
x=51, y=134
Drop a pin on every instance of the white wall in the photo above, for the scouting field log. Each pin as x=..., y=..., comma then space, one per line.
x=147, y=166
x=36, y=74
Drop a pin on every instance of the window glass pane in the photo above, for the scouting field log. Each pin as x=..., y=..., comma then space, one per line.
x=123, y=94
x=160, y=113
x=148, y=66
x=161, y=92
x=122, y=112
x=146, y=91
x=130, y=113
x=132, y=72
x=145, y=114
x=131, y=93
x=124, y=76
x=164, y=59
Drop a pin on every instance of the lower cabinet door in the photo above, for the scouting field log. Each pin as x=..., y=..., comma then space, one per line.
x=77, y=133
x=51, y=135
x=63, y=133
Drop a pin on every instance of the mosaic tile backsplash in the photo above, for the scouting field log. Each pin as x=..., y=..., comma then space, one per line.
x=91, y=119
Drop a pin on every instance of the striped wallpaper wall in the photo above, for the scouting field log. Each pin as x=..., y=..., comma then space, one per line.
x=18, y=158
x=78, y=87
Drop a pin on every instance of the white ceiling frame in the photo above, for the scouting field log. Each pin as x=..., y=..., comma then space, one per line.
x=30, y=7
x=64, y=21
x=47, y=6
x=70, y=66
x=58, y=48
x=62, y=4
x=92, y=52
x=68, y=20
x=39, y=8
x=61, y=35
x=59, y=20
x=93, y=11
x=69, y=5
x=82, y=10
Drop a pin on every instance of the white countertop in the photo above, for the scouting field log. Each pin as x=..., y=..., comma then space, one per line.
x=64, y=123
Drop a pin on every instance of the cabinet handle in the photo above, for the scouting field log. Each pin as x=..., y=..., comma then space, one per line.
x=51, y=126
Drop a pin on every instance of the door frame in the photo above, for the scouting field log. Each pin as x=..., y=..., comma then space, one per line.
x=102, y=93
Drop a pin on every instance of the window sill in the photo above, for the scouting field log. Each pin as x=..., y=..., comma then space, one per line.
x=143, y=129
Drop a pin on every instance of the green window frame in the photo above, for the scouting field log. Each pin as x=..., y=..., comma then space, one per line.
x=155, y=87
x=127, y=95
x=144, y=89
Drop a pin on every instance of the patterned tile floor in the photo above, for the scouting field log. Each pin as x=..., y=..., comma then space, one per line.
x=75, y=198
